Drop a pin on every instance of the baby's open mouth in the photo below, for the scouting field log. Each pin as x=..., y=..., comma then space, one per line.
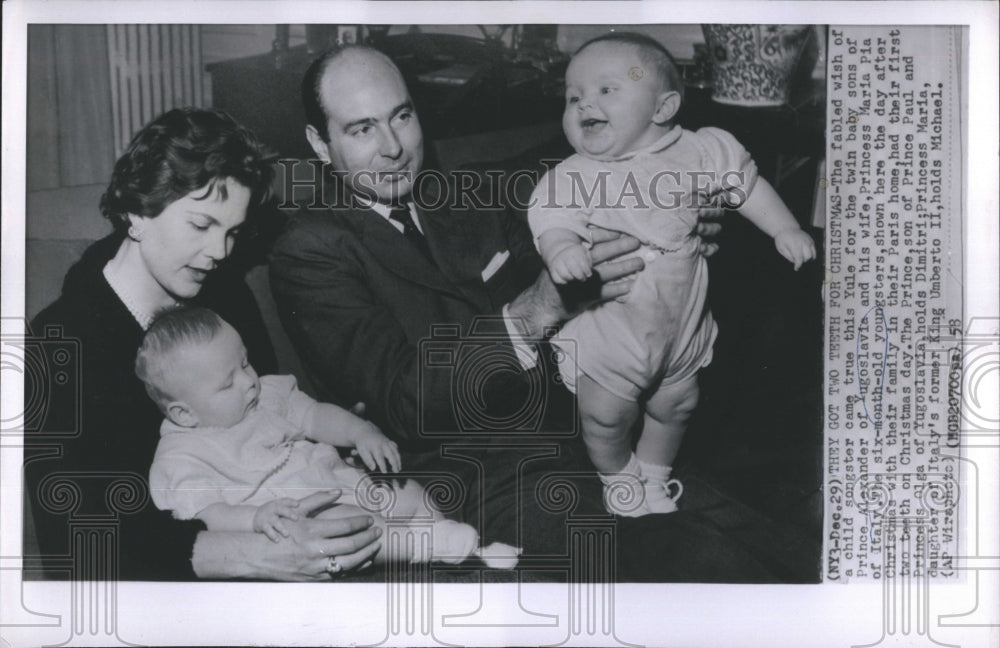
x=591, y=125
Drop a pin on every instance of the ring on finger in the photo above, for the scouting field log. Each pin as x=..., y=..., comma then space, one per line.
x=332, y=566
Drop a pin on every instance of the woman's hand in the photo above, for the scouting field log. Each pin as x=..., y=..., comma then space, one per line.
x=314, y=550
x=345, y=544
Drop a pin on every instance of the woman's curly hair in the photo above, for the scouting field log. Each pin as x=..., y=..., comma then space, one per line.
x=179, y=152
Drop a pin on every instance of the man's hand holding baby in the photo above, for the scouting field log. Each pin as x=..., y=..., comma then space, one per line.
x=795, y=245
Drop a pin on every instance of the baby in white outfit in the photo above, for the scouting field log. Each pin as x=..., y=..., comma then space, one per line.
x=238, y=451
x=636, y=171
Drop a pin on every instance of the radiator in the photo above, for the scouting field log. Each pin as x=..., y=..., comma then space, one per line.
x=153, y=68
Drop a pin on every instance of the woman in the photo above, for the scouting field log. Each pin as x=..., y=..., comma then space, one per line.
x=177, y=199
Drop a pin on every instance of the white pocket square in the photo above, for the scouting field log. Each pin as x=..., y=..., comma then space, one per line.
x=495, y=264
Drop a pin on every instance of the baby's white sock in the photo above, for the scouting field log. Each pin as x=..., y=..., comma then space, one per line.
x=453, y=541
x=624, y=491
x=662, y=492
x=631, y=468
x=655, y=471
x=499, y=555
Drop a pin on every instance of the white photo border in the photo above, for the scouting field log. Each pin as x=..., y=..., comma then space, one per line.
x=683, y=615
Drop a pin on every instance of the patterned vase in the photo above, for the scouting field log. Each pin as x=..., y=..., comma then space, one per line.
x=753, y=64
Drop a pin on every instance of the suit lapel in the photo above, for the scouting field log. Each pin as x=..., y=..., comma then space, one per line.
x=456, y=243
x=394, y=252
x=449, y=241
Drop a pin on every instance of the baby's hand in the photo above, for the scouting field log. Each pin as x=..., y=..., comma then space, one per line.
x=571, y=264
x=795, y=245
x=377, y=450
x=267, y=519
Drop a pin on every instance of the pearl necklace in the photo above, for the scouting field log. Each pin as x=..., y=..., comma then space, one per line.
x=118, y=285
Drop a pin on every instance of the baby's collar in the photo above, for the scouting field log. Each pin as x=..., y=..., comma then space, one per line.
x=169, y=427
x=663, y=142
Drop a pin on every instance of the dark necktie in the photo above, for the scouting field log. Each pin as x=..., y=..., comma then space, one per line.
x=402, y=216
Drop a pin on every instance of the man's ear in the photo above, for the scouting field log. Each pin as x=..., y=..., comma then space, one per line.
x=318, y=145
x=667, y=105
x=181, y=414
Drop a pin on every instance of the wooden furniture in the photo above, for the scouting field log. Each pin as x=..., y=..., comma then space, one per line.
x=460, y=85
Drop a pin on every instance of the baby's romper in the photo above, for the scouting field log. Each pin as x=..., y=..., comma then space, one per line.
x=663, y=333
x=263, y=457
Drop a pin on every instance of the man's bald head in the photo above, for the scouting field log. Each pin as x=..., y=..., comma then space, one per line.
x=312, y=91
x=362, y=122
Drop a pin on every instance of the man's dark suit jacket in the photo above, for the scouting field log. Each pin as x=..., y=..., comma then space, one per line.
x=360, y=303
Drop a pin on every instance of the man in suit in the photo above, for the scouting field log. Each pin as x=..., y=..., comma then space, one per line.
x=388, y=275
x=363, y=288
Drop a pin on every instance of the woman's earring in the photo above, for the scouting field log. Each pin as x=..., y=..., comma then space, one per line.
x=133, y=233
